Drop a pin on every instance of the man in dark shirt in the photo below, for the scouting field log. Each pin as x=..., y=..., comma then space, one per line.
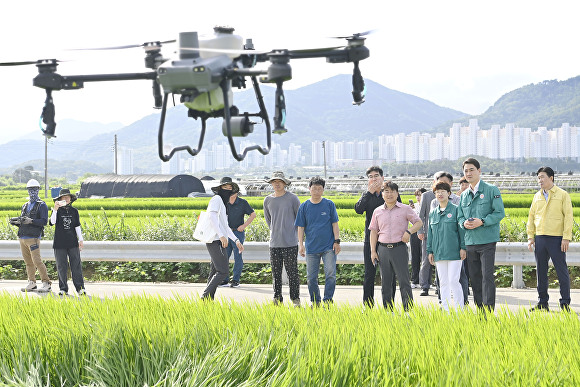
x=33, y=218
x=237, y=208
x=369, y=200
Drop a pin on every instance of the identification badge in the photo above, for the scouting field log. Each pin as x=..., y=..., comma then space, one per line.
x=33, y=247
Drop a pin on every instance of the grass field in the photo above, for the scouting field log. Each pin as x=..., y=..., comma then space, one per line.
x=147, y=341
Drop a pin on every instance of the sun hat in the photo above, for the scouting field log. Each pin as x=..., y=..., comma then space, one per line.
x=279, y=175
x=225, y=181
x=65, y=192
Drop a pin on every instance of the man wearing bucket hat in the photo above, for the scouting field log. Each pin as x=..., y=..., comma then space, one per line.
x=280, y=210
x=68, y=242
x=33, y=218
x=217, y=210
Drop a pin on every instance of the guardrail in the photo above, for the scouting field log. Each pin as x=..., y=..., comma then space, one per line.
x=514, y=254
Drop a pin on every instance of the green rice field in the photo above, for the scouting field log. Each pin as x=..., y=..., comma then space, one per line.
x=149, y=341
x=137, y=219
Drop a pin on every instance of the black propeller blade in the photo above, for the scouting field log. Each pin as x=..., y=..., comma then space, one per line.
x=31, y=62
x=358, y=35
x=145, y=45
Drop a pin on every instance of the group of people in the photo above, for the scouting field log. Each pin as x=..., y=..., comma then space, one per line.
x=67, y=242
x=456, y=233
x=309, y=229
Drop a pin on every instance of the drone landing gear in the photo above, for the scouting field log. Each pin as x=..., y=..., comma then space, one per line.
x=263, y=114
x=192, y=152
x=242, y=125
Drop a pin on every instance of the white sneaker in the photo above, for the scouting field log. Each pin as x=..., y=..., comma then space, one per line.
x=45, y=287
x=31, y=286
x=82, y=292
x=62, y=293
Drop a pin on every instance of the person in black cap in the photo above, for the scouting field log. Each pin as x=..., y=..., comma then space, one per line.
x=217, y=210
x=68, y=242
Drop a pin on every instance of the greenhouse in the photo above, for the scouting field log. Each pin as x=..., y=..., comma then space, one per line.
x=140, y=186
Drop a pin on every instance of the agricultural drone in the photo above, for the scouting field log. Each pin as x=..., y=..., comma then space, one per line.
x=203, y=75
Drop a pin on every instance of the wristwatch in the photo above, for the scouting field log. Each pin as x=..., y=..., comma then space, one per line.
x=337, y=241
x=407, y=231
x=482, y=221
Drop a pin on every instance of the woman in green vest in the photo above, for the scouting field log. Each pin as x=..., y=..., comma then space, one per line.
x=446, y=246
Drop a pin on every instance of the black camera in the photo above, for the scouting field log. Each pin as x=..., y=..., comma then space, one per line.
x=15, y=221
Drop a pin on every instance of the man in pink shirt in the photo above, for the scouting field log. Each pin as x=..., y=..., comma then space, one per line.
x=390, y=234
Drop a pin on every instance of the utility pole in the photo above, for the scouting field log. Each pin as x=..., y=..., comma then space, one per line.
x=46, y=167
x=324, y=151
x=115, y=150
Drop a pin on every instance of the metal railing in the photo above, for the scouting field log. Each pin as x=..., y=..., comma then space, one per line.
x=514, y=254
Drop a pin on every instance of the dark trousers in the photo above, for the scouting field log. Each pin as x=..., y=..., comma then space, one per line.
x=288, y=257
x=369, y=279
x=62, y=258
x=551, y=247
x=426, y=270
x=481, y=263
x=219, y=268
x=416, y=252
x=395, y=262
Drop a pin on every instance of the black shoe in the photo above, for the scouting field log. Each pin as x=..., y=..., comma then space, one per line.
x=224, y=284
x=565, y=307
x=540, y=307
x=425, y=292
x=234, y=284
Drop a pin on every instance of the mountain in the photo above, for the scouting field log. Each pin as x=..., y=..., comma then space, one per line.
x=548, y=103
x=321, y=111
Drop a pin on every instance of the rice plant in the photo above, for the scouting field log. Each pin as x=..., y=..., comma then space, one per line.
x=149, y=341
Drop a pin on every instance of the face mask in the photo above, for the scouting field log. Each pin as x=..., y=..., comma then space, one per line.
x=33, y=194
x=225, y=195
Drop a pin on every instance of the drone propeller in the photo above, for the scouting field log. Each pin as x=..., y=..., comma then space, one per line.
x=32, y=62
x=144, y=45
x=355, y=36
x=314, y=50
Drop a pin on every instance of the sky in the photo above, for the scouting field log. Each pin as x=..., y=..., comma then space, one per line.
x=458, y=54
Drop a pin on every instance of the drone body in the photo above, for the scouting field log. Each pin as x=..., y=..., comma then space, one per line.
x=203, y=75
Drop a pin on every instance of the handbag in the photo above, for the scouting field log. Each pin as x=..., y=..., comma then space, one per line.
x=204, y=231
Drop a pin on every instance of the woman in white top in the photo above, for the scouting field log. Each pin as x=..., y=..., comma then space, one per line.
x=217, y=211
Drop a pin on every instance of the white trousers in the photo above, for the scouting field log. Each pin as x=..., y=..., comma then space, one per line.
x=449, y=272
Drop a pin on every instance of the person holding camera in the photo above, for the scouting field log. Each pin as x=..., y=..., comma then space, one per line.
x=68, y=242
x=33, y=218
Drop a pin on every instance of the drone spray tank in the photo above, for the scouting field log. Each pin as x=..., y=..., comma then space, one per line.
x=201, y=68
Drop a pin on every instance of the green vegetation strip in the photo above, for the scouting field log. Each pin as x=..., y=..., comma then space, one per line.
x=342, y=202
x=148, y=341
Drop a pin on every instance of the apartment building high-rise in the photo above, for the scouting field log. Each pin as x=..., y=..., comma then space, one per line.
x=506, y=143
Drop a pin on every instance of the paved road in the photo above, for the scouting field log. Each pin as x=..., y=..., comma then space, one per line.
x=352, y=295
